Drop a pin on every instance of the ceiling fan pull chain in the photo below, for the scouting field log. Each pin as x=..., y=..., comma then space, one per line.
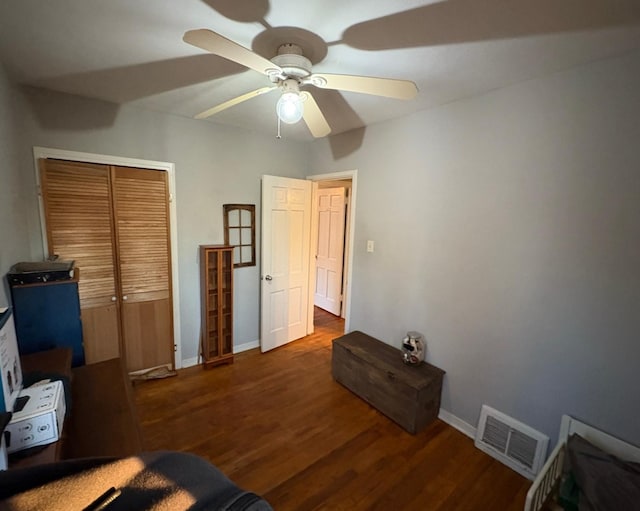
x=278, y=136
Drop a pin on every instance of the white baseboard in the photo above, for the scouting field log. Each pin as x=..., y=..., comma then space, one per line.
x=246, y=346
x=457, y=423
x=190, y=362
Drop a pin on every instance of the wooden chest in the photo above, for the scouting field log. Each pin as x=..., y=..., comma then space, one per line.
x=373, y=370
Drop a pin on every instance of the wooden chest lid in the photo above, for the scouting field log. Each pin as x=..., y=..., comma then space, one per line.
x=388, y=359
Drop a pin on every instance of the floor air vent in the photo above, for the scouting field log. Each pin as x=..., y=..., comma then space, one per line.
x=515, y=444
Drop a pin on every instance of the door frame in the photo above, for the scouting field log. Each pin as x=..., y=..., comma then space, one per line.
x=105, y=159
x=348, y=270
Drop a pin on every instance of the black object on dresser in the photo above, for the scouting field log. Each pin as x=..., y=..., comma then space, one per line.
x=374, y=371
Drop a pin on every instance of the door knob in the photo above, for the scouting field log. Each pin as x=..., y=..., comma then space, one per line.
x=125, y=298
x=268, y=277
x=113, y=298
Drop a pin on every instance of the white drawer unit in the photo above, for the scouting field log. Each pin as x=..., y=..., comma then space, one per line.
x=40, y=421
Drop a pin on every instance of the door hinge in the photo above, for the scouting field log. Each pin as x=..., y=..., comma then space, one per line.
x=170, y=197
x=175, y=348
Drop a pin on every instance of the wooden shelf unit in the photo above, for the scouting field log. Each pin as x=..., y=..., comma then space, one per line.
x=216, y=281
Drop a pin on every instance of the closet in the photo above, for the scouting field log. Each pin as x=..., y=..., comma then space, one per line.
x=114, y=222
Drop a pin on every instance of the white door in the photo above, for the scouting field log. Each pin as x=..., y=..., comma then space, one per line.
x=329, y=260
x=286, y=234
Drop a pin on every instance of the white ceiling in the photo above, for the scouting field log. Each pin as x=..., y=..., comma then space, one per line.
x=131, y=51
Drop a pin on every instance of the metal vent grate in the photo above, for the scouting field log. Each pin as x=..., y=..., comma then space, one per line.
x=513, y=443
x=523, y=448
x=496, y=433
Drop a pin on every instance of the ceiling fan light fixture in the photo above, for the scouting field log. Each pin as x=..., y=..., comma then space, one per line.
x=289, y=107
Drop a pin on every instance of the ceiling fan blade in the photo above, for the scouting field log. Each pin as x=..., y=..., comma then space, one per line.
x=465, y=21
x=313, y=117
x=233, y=102
x=220, y=45
x=387, y=87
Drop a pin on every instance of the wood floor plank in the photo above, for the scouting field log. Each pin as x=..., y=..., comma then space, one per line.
x=279, y=425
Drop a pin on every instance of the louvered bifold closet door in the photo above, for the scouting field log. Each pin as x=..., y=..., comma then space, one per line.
x=77, y=207
x=140, y=199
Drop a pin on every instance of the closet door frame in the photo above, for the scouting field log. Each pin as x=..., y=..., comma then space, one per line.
x=62, y=154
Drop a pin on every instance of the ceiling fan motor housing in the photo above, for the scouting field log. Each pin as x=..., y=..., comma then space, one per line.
x=292, y=62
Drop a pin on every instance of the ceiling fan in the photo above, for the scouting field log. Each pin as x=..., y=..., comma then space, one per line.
x=288, y=71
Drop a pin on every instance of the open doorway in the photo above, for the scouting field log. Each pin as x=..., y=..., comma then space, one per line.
x=333, y=207
x=289, y=233
x=326, y=324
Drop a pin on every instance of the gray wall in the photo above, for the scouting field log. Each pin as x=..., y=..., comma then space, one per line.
x=214, y=165
x=507, y=231
x=14, y=241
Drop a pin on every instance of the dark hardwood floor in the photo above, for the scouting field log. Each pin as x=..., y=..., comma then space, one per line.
x=279, y=425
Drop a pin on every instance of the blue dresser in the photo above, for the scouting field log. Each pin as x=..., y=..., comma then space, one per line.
x=47, y=315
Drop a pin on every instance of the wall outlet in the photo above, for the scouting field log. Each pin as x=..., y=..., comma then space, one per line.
x=370, y=246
